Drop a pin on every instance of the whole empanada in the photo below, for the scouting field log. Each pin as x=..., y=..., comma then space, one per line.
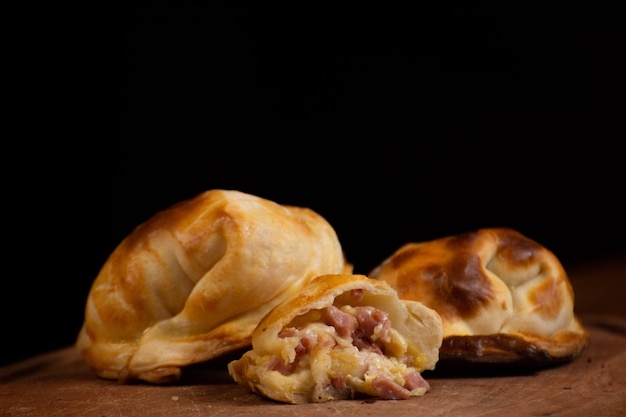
x=503, y=298
x=192, y=282
x=341, y=337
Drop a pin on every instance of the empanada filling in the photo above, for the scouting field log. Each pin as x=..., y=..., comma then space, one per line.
x=343, y=350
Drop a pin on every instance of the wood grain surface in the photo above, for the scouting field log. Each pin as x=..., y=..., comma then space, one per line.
x=60, y=384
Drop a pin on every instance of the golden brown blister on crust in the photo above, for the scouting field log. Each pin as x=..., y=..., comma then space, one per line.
x=503, y=297
x=192, y=282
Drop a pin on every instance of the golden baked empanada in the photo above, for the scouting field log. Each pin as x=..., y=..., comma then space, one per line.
x=342, y=336
x=503, y=298
x=192, y=282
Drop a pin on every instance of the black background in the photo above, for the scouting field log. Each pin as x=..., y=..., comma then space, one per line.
x=395, y=123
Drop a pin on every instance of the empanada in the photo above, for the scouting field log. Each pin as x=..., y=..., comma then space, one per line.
x=342, y=336
x=503, y=298
x=192, y=282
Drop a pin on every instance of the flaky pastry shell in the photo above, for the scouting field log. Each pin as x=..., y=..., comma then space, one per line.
x=192, y=282
x=503, y=298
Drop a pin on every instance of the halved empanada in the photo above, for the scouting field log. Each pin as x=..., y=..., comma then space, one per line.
x=342, y=336
x=192, y=282
x=503, y=298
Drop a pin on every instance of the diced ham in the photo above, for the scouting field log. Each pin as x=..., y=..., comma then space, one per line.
x=389, y=390
x=277, y=364
x=373, y=329
x=343, y=323
x=414, y=380
x=371, y=318
x=369, y=327
x=308, y=341
x=338, y=383
x=362, y=342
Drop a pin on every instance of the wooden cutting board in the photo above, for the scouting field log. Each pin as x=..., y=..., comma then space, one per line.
x=59, y=384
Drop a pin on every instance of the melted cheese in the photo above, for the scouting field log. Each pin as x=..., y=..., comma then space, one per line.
x=333, y=357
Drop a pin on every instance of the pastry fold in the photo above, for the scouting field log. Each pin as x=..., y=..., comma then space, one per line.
x=192, y=282
x=341, y=337
x=503, y=298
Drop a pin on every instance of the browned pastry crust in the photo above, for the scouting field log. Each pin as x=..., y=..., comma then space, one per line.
x=192, y=282
x=503, y=298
